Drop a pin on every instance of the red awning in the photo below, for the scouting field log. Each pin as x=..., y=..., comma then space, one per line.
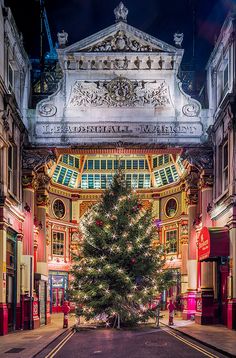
x=213, y=242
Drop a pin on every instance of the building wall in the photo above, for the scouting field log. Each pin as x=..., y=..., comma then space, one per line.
x=221, y=76
x=14, y=92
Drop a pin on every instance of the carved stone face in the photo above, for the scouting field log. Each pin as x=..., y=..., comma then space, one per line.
x=120, y=41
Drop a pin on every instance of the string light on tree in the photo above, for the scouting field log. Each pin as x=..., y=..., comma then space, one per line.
x=119, y=288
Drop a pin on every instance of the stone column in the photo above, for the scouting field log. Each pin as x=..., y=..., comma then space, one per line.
x=156, y=215
x=189, y=297
x=75, y=212
x=29, y=186
x=3, y=277
x=19, y=308
x=184, y=255
x=231, y=309
x=205, y=298
x=42, y=200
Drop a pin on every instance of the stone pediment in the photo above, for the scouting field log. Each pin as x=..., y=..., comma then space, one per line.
x=120, y=37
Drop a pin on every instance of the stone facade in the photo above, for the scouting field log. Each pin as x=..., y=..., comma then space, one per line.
x=119, y=85
x=221, y=72
x=14, y=95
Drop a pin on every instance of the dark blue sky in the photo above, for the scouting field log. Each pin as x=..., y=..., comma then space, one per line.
x=160, y=18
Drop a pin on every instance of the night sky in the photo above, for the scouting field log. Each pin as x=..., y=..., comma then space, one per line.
x=160, y=18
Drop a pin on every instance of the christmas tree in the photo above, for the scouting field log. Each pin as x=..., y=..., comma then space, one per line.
x=118, y=270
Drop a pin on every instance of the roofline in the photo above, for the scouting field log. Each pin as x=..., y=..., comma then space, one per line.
x=115, y=27
x=230, y=18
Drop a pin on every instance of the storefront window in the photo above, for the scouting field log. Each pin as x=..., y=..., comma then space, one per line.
x=58, y=243
x=171, y=241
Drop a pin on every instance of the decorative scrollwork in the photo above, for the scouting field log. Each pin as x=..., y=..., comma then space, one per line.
x=123, y=42
x=120, y=89
x=120, y=92
x=191, y=110
x=47, y=110
x=34, y=159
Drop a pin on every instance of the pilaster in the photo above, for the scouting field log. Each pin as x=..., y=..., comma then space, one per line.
x=3, y=276
x=189, y=297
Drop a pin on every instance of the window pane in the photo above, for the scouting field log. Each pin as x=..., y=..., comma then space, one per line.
x=58, y=243
x=225, y=160
x=122, y=164
x=90, y=164
x=109, y=164
x=10, y=157
x=77, y=162
x=97, y=183
x=97, y=164
x=84, y=181
x=135, y=164
x=141, y=164
x=71, y=160
x=90, y=181
x=103, y=164
x=141, y=180
x=155, y=162
x=103, y=181
x=171, y=241
x=128, y=164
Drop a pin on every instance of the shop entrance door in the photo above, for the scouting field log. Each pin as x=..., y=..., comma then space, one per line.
x=57, y=299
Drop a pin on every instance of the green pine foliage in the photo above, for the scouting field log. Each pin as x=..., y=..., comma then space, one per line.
x=118, y=270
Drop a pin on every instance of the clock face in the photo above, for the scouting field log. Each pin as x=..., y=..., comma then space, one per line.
x=59, y=209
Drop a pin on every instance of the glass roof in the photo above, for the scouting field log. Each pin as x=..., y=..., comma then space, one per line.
x=96, y=171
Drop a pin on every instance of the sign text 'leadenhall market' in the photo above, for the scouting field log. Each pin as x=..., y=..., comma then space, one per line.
x=123, y=129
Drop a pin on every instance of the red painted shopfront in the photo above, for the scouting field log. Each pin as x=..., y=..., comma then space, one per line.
x=213, y=257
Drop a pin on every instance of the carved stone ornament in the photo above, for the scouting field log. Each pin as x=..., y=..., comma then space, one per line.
x=191, y=110
x=178, y=39
x=122, y=42
x=121, y=12
x=35, y=159
x=29, y=181
x=120, y=92
x=47, y=110
x=43, y=180
x=62, y=38
x=206, y=181
x=192, y=197
x=192, y=180
x=201, y=158
x=120, y=89
x=121, y=64
x=42, y=200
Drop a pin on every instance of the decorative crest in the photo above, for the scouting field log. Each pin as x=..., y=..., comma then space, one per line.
x=121, y=12
x=178, y=39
